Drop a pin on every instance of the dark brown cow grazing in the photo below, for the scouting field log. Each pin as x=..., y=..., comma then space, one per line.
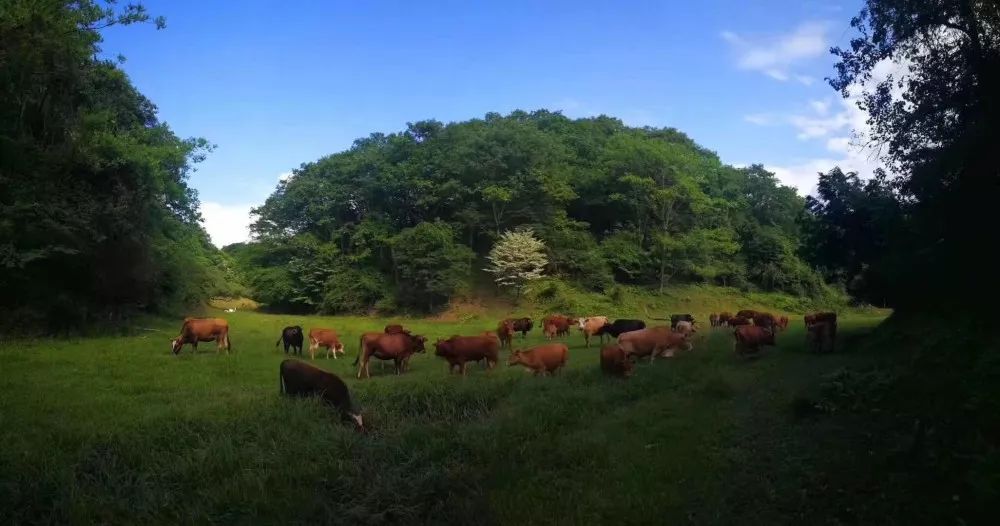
x=522, y=325
x=749, y=339
x=783, y=322
x=747, y=313
x=556, y=325
x=324, y=338
x=542, y=359
x=505, y=332
x=766, y=320
x=737, y=321
x=615, y=362
x=655, y=341
x=195, y=330
x=459, y=350
x=724, y=318
x=292, y=338
x=394, y=329
x=820, y=336
x=297, y=378
x=713, y=319
x=397, y=347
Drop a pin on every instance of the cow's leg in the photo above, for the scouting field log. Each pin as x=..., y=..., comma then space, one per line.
x=398, y=363
x=463, y=368
x=312, y=349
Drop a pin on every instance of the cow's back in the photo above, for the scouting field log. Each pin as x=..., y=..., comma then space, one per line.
x=204, y=327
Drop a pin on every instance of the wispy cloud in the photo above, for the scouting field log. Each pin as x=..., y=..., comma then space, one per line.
x=226, y=224
x=777, y=55
x=284, y=176
x=760, y=119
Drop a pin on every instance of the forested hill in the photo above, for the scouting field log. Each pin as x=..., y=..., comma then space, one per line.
x=402, y=219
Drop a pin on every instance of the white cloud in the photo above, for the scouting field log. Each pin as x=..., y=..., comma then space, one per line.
x=760, y=119
x=226, y=224
x=284, y=176
x=775, y=56
x=820, y=106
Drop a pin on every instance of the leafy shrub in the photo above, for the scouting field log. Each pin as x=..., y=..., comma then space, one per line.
x=351, y=290
x=429, y=265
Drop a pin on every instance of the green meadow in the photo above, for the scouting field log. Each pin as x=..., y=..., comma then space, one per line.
x=119, y=430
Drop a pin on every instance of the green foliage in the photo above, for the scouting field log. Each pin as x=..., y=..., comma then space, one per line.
x=353, y=290
x=428, y=265
x=517, y=259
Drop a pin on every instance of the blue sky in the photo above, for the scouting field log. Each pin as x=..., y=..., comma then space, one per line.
x=277, y=84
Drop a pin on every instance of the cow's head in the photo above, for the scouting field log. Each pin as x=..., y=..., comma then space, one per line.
x=353, y=415
x=441, y=347
x=418, y=343
x=515, y=357
x=580, y=322
x=175, y=345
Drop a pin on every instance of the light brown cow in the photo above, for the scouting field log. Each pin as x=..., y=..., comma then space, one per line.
x=195, y=330
x=505, y=332
x=542, y=359
x=615, y=362
x=324, y=338
x=556, y=325
x=655, y=341
x=592, y=326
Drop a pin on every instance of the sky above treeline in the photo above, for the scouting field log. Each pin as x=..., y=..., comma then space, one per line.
x=278, y=84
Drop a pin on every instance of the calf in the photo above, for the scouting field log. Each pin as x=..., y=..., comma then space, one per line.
x=615, y=362
x=724, y=318
x=195, y=330
x=505, y=332
x=324, y=338
x=297, y=378
x=655, y=341
x=542, y=359
x=750, y=338
x=674, y=318
x=713, y=320
x=819, y=337
x=522, y=325
x=459, y=350
x=593, y=327
x=620, y=327
x=292, y=338
x=556, y=325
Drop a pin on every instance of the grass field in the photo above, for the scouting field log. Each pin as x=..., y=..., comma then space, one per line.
x=119, y=430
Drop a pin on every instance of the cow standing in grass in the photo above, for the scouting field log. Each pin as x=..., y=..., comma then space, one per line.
x=292, y=338
x=592, y=326
x=750, y=338
x=542, y=359
x=297, y=378
x=196, y=330
x=615, y=362
x=505, y=332
x=327, y=338
x=397, y=347
x=522, y=325
x=460, y=350
x=653, y=342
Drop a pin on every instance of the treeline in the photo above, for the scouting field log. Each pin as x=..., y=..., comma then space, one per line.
x=96, y=219
x=403, y=220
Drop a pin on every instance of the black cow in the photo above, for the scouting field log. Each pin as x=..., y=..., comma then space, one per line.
x=522, y=325
x=674, y=318
x=291, y=337
x=620, y=327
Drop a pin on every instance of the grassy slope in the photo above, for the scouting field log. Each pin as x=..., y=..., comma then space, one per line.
x=118, y=430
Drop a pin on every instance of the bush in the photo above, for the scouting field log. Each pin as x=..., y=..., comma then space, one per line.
x=353, y=291
x=429, y=265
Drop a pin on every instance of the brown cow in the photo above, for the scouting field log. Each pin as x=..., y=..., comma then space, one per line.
x=766, y=320
x=737, y=321
x=615, y=362
x=783, y=322
x=819, y=317
x=653, y=342
x=542, y=359
x=724, y=318
x=396, y=347
x=592, y=326
x=685, y=327
x=556, y=325
x=459, y=350
x=505, y=332
x=324, y=338
x=522, y=325
x=394, y=329
x=195, y=330
x=713, y=319
x=820, y=336
x=747, y=313
x=296, y=378
x=749, y=339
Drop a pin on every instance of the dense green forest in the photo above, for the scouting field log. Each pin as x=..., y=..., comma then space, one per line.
x=383, y=223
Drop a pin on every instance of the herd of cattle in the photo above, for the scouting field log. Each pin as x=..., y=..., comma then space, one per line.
x=629, y=340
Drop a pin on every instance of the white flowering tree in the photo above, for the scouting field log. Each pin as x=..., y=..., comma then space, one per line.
x=516, y=259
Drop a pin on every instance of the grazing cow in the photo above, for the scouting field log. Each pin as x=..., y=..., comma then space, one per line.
x=505, y=332
x=749, y=339
x=394, y=329
x=619, y=327
x=195, y=330
x=724, y=318
x=713, y=319
x=324, y=338
x=654, y=341
x=592, y=326
x=818, y=317
x=684, y=327
x=615, y=362
x=556, y=325
x=292, y=337
x=522, y=325
x=542, y=359
x=397, y=347
x=296, y=378
x=674, y=318
x=783, y=322
x=459, y=350
x=737, y=321
x=765, y=320
x=819, y=336
x=747, y=313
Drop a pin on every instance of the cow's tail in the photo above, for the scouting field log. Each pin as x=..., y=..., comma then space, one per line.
x=361, y=348
x=229, y=342
x=279, y=340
